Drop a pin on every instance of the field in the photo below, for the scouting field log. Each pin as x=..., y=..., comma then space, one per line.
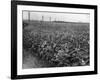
x=56, y=43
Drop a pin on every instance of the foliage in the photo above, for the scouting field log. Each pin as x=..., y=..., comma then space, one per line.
x=58, y=48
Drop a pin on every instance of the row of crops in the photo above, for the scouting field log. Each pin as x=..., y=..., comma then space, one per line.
x=58, y=49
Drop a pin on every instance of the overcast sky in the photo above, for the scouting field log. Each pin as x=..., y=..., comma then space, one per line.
x=69, y=17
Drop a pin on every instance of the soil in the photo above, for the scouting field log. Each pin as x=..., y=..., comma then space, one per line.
x=32, y=61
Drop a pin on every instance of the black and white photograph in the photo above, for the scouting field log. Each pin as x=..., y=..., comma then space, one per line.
x=51, y=39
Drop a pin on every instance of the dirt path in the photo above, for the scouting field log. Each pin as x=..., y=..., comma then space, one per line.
x=30, y=61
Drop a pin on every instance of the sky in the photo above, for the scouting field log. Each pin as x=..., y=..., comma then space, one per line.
x=47, y=16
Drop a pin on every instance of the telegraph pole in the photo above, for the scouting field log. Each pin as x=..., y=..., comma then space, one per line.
x=28, y=15
x=42, y=18
x=50, y=19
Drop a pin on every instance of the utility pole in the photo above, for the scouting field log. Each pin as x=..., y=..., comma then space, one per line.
x=50, y=19
x=42, y=18
x=28, y=15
